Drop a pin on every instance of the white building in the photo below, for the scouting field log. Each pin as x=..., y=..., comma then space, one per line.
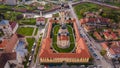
x=8, y=28
x=40, y=21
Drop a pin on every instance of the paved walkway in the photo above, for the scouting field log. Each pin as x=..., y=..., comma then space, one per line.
x=28, y=26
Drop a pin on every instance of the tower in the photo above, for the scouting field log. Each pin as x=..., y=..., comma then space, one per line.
x=62, y=13
x=6, y=28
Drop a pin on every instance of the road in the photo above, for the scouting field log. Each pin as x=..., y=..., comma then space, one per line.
x=82, y=31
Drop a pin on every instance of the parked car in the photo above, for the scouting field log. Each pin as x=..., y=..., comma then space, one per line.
x=96, y=56
x=33, y=48
x=30, y=59
x=91, y=50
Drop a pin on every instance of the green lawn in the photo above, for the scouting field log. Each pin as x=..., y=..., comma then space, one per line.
x=36, y=31
x=31, y=21
x=48, y=7
x=56, y=28
x=107, y=12
x=30, y=43
x=37, y=49
x=26, y=31
x=113, y=3
x=5, y=8
x=72, y=44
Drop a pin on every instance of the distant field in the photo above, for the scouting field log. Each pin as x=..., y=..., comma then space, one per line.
x=107, y=12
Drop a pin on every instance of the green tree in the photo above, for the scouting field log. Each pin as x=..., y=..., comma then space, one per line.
x=103, y=52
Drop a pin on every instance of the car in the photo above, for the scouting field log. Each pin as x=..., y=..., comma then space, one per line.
x=34, y=45
x=30, y=59
x=91, y=50
x=28, y=64
x=96, y=56
x=33, y=48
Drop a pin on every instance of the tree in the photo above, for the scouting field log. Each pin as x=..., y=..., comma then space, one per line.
x=103, y=52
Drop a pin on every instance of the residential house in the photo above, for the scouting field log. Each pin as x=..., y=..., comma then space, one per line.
x=97, y=35
x=112, y=48
x=110, y=35
x=16, y=45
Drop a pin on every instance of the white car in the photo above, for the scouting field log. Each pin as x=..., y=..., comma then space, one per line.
x=30, y=58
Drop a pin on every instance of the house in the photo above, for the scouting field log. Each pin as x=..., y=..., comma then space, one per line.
x=112, y=48
x=97, y=35
x=92, y=23
x=10, y=2
x=40, y=21
x=110, y=35
x=13, y=45
x=8, y=28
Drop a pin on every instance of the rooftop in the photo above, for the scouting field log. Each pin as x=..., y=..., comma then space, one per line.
x=114, y=46
x=46, y=52
x=4, y=57
x=40, y=19
x=9, y=44
x=94, y=20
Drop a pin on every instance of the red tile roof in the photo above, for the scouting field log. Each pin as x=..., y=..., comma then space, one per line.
x=40, y=19
x=110, y=35
x=76, y=30
x=81, y=51
x=97, y=35
x=11, y=43
x=114, y=47
x=3, y=44
x=86, y=20
x=63, y=37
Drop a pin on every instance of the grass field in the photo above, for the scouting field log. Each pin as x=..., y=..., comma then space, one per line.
x=26, y=31
x=31, y=21
x=36, y=31
x=30, y=43
x=107, y=12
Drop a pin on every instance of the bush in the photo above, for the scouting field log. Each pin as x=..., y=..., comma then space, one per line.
x=103, y=52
